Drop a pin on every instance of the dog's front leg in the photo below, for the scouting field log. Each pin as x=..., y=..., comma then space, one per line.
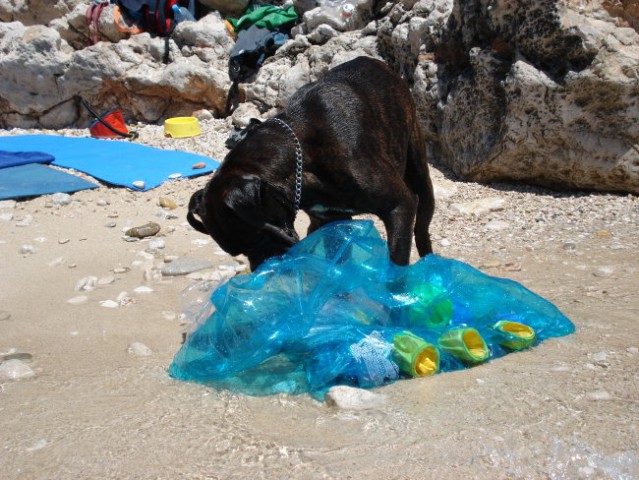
x=399, y=225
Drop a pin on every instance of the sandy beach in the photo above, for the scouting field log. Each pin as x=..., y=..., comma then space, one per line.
x=95, y=324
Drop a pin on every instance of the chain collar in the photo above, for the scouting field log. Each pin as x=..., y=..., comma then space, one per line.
x=298, y=162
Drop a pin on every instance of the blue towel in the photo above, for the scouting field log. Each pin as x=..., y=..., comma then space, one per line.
x=117, y=162
x=34, y=179
x=13, y=159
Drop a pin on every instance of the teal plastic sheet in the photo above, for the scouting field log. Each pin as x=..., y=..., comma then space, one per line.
x=335, y=310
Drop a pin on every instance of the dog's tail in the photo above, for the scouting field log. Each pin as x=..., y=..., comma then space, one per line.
x=194, y=209
x=418, y=178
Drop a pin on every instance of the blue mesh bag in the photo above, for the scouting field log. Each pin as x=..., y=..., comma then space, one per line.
x=335, y=310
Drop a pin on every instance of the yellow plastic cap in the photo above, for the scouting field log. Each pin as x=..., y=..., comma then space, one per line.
x=181, y=127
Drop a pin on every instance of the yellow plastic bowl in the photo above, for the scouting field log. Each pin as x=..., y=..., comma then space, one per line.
x=181, y=127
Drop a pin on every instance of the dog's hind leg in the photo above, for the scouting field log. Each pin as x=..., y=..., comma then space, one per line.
x=418, y=179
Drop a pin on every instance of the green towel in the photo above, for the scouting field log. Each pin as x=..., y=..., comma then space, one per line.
x=268, y=16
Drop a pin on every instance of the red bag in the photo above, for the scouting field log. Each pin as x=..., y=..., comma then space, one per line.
x=113, y=119
x=109, y=125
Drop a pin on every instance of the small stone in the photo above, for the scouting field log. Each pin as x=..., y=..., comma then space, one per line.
x=109, y=304
x=113, y=215
x=61, y=199
x=78, y=300
x=183, y=266
x=167, y=315
x=444, y=242
x=173, y=176
x=4, y=315
x=124, y=299
x=101, y=202
x=15, y=370
x=569, y=246
x=166, y=215
x=110, y=225
x=121, y=269
x=25, y=357
x=143, y=289
x=497, y=225
x=146, y=230
x=202, y=242
x=481, y=206
x=197, y=166
x=6, y=216
x=349, y=398
x=27, y=249
x=599, y=395
x=86, y=283
x=106, y=280
x=25, y=222
x=490, y=264
x=157, y=244
x=139, y=184
x=39, y=445
x=604, y=271
x=630, y=350
x=604, y=233
x=167, y=203
x=139, y=349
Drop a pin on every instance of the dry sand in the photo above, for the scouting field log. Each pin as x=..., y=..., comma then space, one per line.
x=100, y=405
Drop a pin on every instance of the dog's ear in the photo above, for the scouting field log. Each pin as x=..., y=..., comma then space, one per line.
x=245, y=199
x=195, y=208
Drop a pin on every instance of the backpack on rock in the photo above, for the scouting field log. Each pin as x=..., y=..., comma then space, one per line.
x=154, y=16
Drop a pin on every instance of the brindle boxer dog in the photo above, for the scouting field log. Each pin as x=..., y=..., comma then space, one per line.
x=347, y=144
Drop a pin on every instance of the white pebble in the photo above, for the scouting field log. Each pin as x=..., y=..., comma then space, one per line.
x=632, y=350
x=80, y=299
x=139, y=184
x=202, y=242
x=496, y=225
x=15, y=370
x=599, y=395
x=25, y=222
x=61, y=198
x=56, y=261
x=143, y=289
x=6, y=216
x=175, y=175
x=444, y=242
x=124, y=299
x=86, y=283
x=27, y=249
x=139, y=349
x=169, y=315
x=109, y=304
x=106, y=280
x=157, y=244
x=40, y=444
x=350, y=398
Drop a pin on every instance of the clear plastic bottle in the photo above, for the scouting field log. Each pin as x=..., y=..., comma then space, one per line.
x=182, y=14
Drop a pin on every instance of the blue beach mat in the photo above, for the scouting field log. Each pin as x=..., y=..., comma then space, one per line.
x=35, y=179
x=116, y=162
x=13, y=159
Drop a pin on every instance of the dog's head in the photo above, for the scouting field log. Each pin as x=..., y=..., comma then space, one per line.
x=236, y=214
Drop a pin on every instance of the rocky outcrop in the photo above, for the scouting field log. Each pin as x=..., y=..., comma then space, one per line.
x=544, y=92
